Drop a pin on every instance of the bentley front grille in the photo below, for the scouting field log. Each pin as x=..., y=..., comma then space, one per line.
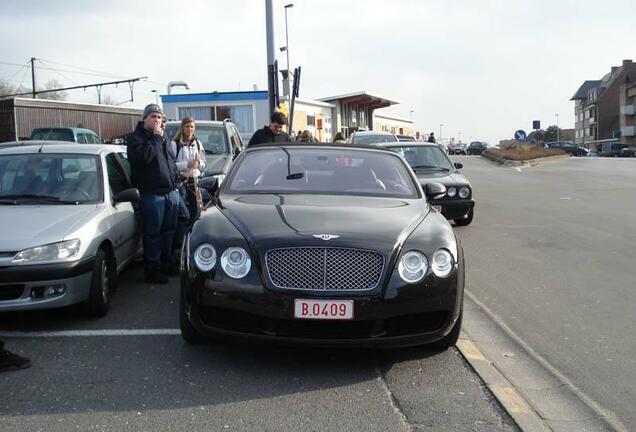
x=324, y=268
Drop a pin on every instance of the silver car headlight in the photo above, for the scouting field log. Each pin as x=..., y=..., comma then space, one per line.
x=451, y=192
x=464, y=192
x=236, y=262
x=443, y=263
x=205, y=257
x=412, y=267
x=50, y=252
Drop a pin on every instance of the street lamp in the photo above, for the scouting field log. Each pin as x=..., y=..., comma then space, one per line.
x=411, y=114
x=287, y=6
x=557, y=119
x=440, y=132
x=156, y=96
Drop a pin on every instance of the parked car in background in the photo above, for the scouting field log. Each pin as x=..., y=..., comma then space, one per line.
x=221, y=141
x=457, y=149
x=405, y=138
x=67, y=225
x=628, y=152
x=431, y=164
x=372, y=138
x=476, y=148
x=292, y=253
x=78, y=135
x=612, y=149
x=568, y=147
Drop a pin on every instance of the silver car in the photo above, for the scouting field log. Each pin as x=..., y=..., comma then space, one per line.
x=67, y=225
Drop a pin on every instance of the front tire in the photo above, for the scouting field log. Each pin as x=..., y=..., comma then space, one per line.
x=188, y=332
x=466, y=221
x=102, y=284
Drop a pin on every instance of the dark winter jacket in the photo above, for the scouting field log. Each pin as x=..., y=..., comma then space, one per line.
x=153, y=167
x=266, y=135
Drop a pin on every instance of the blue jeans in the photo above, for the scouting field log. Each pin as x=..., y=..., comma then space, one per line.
x=159, y=218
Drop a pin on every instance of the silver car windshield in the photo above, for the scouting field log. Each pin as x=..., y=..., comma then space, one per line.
x=425, y=157
x=212, y=138
x=322, y=171
x=50, y=178
x=372, y=139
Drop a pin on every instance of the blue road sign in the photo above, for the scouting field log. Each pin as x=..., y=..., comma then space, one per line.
x=520, y=135
x=536, y=124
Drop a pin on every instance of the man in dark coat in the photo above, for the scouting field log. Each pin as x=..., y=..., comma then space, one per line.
x=273, y=132
x=154, y=173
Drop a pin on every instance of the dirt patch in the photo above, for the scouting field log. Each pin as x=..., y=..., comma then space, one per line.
x=522, y=153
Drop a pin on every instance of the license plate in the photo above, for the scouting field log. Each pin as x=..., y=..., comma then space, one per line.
x=323, y=309
x=437, y=208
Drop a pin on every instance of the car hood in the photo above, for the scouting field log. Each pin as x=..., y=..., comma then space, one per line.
x=269, y=221
x=215, y=164
x=39, y=225
x=445, y=178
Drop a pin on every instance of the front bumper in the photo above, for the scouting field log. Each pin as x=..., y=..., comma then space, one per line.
x=456, y=208
x=403, y=315
x=25, y=287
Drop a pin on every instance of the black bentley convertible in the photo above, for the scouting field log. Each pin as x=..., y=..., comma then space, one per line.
x=322, y=245
x=431, y=164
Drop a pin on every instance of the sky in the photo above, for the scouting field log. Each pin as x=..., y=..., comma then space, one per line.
x=481, y=68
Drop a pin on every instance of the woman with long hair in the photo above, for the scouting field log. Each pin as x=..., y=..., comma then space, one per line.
x=190, y=158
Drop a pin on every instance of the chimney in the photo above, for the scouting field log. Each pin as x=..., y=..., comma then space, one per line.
x=255, y=87
x=627, y=61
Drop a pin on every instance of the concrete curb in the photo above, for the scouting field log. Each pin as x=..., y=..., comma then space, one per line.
x=536, y=395
x=529, y=163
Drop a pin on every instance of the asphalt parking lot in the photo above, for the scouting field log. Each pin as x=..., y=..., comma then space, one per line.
x=132, y=371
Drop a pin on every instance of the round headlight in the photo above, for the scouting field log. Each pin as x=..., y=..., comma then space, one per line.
x=464, y=192
x=205, y=257
x=442, y=263
x=451, y=192
x=235, y=262
x=412, y=267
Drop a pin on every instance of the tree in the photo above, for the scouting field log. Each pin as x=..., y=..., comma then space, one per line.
x=6, y=88
x=547, y=135
x=51, y=85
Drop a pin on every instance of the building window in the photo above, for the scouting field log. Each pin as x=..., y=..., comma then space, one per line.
x=240, y=115
x=197, y=113
x=311, y=120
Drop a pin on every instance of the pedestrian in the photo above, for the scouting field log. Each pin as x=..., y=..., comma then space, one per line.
x=154, y=174
x=190, y=159
x=10, y=361
x=306, y=136
x=273, y=132
x=339, y=138
x=431, y=137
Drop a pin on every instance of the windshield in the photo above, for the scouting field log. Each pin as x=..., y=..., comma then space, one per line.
x=372, y=139
x=425, y=157
x=53, y=135
x=49, y=178
x=212, y=137
x=321, y=171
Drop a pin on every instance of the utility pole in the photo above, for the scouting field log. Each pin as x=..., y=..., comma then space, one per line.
x=271, y=73
x=33, y=59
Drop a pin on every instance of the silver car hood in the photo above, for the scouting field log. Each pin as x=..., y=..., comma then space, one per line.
x=25, y=226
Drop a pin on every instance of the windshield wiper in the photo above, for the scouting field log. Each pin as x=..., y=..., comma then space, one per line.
x=430, y=167
x=15, y=199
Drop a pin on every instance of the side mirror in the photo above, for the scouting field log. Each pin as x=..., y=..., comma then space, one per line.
x=127, y=195
x=434, y=190
x=459, y=165
x=209, y=183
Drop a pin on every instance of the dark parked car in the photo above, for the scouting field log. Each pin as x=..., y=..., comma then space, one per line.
x=628, y=152
x=221, y=141
x=431, y=164
x=476, y=148
x=405, y=138
x=568, y=147
x=612, y=149
x=323, y=245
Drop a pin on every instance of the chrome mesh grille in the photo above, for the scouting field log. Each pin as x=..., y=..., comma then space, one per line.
x=323, y=268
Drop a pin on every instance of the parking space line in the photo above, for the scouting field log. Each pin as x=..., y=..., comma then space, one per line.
x=91, y=333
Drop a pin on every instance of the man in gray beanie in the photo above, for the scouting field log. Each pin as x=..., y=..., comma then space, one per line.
x=154, y=173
